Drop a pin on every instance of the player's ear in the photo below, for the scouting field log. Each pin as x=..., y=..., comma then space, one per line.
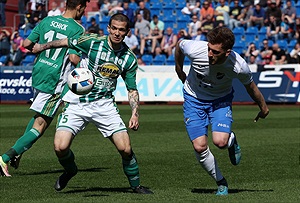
x=228, y=52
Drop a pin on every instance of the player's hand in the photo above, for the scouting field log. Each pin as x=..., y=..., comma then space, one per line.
x=261, y=114
x=134, y=123
x=36, y=48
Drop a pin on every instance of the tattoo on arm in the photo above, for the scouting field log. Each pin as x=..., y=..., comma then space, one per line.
x=133, y=97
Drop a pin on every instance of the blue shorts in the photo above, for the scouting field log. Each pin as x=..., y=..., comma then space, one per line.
x=198, y=114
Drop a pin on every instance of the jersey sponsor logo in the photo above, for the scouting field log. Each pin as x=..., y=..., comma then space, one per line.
x=58, y=25
x=109, y=70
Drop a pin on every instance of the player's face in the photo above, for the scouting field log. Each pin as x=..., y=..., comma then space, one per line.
x=216, y=54
x=117, y=31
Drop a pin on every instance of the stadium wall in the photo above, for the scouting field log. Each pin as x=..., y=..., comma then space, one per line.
x=278, y=84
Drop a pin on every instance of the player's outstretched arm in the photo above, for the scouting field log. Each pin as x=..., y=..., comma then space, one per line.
x=179, y=58
x=54, y=44
x=257, y=96
x=133, y=97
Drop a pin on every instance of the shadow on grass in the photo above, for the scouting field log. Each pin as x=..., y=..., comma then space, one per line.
x=99, y=189
x=208, y=191
x=61, y=171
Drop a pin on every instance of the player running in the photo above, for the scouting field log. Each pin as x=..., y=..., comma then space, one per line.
x=48, y=76
x=208, y=95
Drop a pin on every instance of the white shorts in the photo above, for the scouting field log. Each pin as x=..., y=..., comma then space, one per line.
x=103, y=113
x=45, y=104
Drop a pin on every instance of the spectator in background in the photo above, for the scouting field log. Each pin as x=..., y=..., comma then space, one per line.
x=157, y=23
x=208, y=25
x=273, y=29
x=36, y=16
x=200, y=36
x=132, y=42
x=246, y=14
x=192, y=7
x=234, y=15
x=183, y=34
x=2, y=13
x=290, y=11
x=258, y=16
x=193, y=26
x=272, y=10
x=286, y=28
x=222, y=14
x=278, y=56
x=266, y=52
x=154, y=39
x=297, y=30
x=94, y=27
x=116, y=7
x=252, y=54
x=5, y=43
x=101, y=32
x=140, y=61
x=168, y=43
x=206, y=10
x=294, y=55
x=104, y=9
x=143, y=11
x=142, y=30
x=54, y=10
x=129, y=12
x=17, y=49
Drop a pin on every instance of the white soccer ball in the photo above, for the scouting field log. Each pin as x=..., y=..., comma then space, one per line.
x=81, y=81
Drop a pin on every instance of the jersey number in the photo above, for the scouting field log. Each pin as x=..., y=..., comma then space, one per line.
x=49, y=36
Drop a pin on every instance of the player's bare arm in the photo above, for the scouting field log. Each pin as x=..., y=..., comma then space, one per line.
x=179, y=58
x=54, y=44
x=257, y=96
x=133, y=98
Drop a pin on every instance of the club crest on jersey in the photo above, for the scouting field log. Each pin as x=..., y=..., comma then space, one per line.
x=109, y=70
x=220, y=75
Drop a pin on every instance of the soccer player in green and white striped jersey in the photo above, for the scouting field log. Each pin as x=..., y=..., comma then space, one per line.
x=48, y=76
x=107, y=57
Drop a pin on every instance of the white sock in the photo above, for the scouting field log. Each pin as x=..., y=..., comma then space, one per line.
x=231, y=140
x=209, y=164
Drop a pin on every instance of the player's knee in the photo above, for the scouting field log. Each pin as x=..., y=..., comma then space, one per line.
x=220, y=143
x=199, y=147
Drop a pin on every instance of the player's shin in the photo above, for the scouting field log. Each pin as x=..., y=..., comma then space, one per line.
x=209, y=164
x=131, y=170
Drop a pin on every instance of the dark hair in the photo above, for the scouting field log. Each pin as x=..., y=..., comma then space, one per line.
x=72, y=4
x=120, y=17
x=221, y=35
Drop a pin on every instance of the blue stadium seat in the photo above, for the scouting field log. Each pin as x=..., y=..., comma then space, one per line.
x=28, y=60
x=159, y=59
x=27, y=33
x=3, y=59
x=84, y=21
x=156, y=5
x=291, y=45
x=238, y=32
x=262, y=34
x=132, y=5
x=239, y=47
x=170, y=60
x=251, y=34
x=147, y=59
x=282, y=44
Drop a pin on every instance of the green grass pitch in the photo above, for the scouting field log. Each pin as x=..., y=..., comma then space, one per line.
x=268, y=172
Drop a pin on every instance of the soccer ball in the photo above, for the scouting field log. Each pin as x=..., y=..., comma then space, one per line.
x=81, y=81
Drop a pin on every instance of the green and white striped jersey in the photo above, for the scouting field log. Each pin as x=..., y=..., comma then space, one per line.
x=106, y=64
x=51, y=67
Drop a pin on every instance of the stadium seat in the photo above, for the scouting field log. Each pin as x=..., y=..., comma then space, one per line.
x=238, y=32
x=27, y=33
x=291, y=45
x=239, y=47
x=133, y=5
x=3, y=59
x=84, y=21
x=159, y=59
x=170, y=60
x=262, y=34
x=28, y=60
x=282, y=44
x=147, y=59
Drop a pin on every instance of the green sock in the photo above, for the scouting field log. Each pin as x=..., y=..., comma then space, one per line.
x=68, y=162
x=12, y=152
x=131, y=170
x=26, y=141
x=29, y=125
